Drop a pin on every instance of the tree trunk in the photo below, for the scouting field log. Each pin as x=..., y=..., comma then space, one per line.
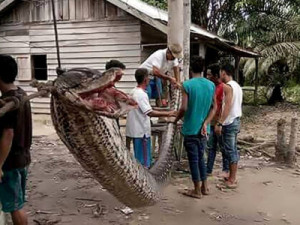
x=290, y=157
x=281, y=145
x=186, y=38
x=175, y=24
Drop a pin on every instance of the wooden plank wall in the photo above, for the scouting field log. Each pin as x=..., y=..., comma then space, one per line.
x=85, y=43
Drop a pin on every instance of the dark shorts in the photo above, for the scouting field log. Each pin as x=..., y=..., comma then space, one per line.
x=154, y=89
x=12, y=190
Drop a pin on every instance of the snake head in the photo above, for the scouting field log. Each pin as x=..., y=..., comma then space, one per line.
x=95, y=91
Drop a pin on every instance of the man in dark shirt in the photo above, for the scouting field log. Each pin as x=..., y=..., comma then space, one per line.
x=15, y=143
x=115, y=64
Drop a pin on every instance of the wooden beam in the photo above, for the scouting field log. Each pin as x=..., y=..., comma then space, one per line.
x=5, y=4
x=236, y=68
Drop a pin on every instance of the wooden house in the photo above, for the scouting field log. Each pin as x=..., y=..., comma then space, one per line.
x=90, y=32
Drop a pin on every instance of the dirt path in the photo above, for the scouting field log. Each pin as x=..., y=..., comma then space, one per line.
x=61, y=192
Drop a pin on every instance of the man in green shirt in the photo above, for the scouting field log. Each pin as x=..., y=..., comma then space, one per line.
x=198, y=108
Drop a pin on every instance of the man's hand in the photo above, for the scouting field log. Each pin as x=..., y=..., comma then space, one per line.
x=218, y=130
x=172, y=114
x=204, y=130
x=175, y=83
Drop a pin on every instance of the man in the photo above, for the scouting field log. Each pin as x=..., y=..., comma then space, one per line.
x=138, y=127
x=159, y=64
x=116, y=64
x=198, y=108
x=15, y=143
x=229, y=123
x=213, y=74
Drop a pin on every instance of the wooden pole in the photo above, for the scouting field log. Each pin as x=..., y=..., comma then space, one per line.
x=186, y=37
x=291, y=151
x=281, y=145
x=56, y=34
x=11, y=105
x=256, y=81
x=175, y=24
x=237, y=68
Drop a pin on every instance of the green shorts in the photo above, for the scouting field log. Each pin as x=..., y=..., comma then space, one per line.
x=12, y=190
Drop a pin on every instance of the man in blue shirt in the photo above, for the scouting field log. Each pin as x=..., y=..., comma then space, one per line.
x=198, y=108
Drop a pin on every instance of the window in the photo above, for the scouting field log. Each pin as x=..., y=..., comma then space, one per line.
x=24, y=67
x=39, y=69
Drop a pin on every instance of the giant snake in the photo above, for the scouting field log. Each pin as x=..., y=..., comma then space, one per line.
x=93, y=137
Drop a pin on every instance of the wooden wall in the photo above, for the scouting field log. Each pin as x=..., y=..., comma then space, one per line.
x=65, y=10
x=83, y=42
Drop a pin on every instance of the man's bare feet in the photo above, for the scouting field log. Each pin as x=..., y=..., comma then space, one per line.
x=224, y=175
x=204, y=188
x=231, y=184
x=192, y=194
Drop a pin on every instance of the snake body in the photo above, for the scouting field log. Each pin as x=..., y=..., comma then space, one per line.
x=96, y=142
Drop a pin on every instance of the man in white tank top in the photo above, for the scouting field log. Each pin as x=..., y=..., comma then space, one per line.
x=228, y=124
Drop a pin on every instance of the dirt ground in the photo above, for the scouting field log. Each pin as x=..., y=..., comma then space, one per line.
x=61, y=192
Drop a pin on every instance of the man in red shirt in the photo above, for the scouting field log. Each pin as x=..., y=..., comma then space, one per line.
x=212, y=146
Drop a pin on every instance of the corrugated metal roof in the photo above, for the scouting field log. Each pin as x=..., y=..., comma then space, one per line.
x=158, y=14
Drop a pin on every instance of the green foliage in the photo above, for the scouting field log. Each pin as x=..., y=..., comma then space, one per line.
x=162, y=4
x=262, y=96
x=292, y=94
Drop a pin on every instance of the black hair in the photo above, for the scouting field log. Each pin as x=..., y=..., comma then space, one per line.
x=228, y=68
x=140, y=75
x=215, y=70
x=114, y=63
x=197, y=64
x=9, y=69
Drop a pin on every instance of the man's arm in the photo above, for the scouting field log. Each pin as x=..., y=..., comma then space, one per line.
x=210, y=116
x=157, y=73
x=156, y=113
x=5, y=146
x=227, y=107
x=183, y=107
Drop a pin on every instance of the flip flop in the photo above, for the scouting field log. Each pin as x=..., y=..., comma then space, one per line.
x=190, y=193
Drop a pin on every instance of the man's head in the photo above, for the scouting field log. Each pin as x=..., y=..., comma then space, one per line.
x=226, y=72
x=115, y=64
x=142, y=77
x=213, y=73
x=196, y=65
x=9, y=69
x=174, y=52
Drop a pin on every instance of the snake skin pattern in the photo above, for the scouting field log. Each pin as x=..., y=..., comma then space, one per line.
x=96, y=142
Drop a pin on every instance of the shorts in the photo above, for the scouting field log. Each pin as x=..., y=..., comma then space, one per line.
x=142, y=150
x=154, y=89
x=12, y=190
